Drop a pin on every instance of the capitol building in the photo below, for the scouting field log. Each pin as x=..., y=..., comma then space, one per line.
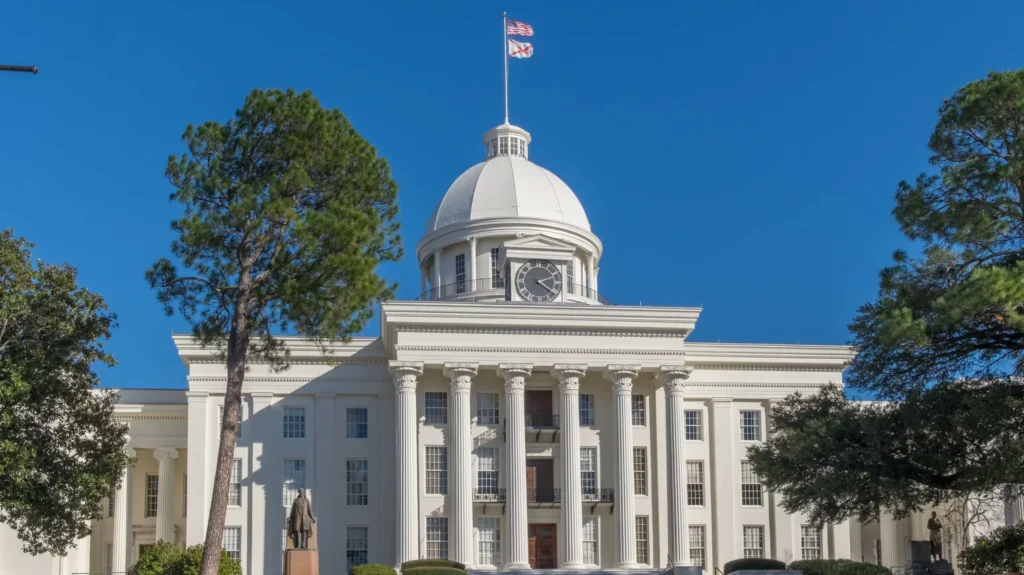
x=510, y=418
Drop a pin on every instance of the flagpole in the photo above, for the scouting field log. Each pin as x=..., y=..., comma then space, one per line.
x=504, y=49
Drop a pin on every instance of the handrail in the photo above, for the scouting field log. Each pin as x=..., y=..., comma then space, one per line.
x=467, y=288
x=542, y=420
x=498, y=495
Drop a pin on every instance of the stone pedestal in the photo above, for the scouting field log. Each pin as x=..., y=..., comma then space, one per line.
x=919, y=560
x=301, y=562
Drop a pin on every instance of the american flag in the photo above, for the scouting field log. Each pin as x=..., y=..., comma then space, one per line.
x=519, y=28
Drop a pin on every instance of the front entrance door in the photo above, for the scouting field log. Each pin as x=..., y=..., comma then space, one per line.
x=543, y=546
x=540, y=480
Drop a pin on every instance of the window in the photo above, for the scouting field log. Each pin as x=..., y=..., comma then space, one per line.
x=436, y=407
x=695, y=483
x=437, y=538
x=357, y=479
x=437, y=470
x=357, y=546
x=588, y=470
x=495, y=270
x=235, y=488
x=357, y=423
x=503, y=145
x=220, y=422
x=640, y=470
x=110, y=558
x=233, y=542
x=487, y=408
x=110, y=501
x=698, y=546
x=294, y=479
x=750, y=425
x=489, y=541
x=642, y=555
x=152, y=489
x=753, y=541
x=750, y=485
x=487, y=472
x=460, y=273
x=570, y=274
x=810, y=542
x=639, y=410
x=294, y=422
x=590, y=540
x=515, y=146
x=586, y=409
x=694, y=425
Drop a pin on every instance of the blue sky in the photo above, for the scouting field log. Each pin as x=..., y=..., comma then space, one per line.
x=740, y=156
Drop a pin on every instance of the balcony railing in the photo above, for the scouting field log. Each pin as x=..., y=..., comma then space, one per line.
x=489, y=495
x=487, y=287
x=599, y=495
x=544, y=495
x=542, y=420
x=554, y=495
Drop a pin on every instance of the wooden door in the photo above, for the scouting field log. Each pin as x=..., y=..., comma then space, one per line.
x=543, y=545
x=531, y=481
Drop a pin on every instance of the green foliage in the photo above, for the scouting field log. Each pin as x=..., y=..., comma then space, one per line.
x=433, y=571
x=288, y=213
x=1002, y=551
x=837, y=567
x=944, y=338
x=752, y=563
x=166, y=559
x=372, y=569
x=417, y=563
x=60, y=449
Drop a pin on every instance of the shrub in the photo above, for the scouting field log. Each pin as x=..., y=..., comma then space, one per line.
x=165, y=559
x=417, y=563
x=1001, y=551
x=372, y=569
x=759, y=564
x=837, y=567
x=433, y=571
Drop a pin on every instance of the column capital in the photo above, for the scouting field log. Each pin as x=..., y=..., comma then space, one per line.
x=515, y=375
x=461, y=374
x=165, y=452
x=674, y=377
x=569, y=375
x=471, y=239
x=405, y=374
x=437, y=252
x=622, y=377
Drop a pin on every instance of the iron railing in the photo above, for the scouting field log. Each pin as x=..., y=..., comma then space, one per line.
x=554, y=495
x=478, y=287
x=599, y=495
x=489, y=495
x=542, y=420
x=544, y=495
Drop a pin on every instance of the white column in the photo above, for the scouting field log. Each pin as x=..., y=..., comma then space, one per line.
x=407, y=494
x=423, y=282
x=572, y=489
x=622, y=377
x=889, y=535
x=472, y=265
x=461, y=535
x=675, y=377
x=842, y=539
x=515, y=382
x=437, y=273
x=856, y=540
x=329, y=537
x=1018, y=509
x=261, y=435
x=198, y=455
x=78, y=558
x=591, y=275
x=164, y=493
x=120, y=540
x=725, y=490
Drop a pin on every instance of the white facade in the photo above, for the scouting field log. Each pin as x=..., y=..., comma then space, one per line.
x=506, y=420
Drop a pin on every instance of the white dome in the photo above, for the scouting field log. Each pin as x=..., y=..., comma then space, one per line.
x=508, y=187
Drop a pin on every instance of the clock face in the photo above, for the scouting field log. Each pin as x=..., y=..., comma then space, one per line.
x=538, y=280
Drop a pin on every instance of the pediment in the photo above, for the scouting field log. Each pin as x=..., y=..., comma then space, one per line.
x=538, y=246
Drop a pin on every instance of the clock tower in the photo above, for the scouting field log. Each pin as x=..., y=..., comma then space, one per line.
x=536, y=269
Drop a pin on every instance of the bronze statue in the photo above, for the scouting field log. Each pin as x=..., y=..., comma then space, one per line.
x=300, y=521
x=935, y=537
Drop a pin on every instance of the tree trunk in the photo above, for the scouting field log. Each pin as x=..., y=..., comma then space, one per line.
x=238, y=343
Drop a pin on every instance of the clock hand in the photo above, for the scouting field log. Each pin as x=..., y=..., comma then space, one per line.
x=538, y=282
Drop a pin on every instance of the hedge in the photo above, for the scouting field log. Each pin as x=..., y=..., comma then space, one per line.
x=372, y=569
x=417, y=563
x=837, y=567
x=433, y=571
x=753, y=563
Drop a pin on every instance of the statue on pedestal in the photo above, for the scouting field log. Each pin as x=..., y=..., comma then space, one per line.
x=935, y=537
x=300, y=521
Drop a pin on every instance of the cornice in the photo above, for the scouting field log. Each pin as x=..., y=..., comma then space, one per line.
x=536, y=350
x=300, y=350
x=281, y=379
x=505, y=228
x=537, y=331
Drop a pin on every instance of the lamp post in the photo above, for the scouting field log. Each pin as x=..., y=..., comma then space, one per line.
x=10, y=68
